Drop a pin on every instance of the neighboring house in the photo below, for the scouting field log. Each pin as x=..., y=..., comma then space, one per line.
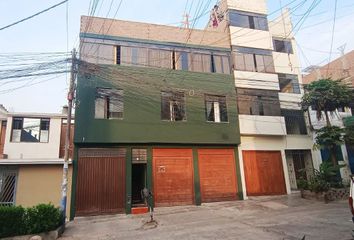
x=157, y=107
x=275, y=144
x=32, y=158
x=340, y=68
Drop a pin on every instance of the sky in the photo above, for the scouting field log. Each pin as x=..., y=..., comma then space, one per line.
x=48, y=32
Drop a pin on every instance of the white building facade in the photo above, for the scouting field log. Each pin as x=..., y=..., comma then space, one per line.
x=275, y=141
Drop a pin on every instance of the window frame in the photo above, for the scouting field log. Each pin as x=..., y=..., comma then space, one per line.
x=171, y=98
x=287, y=46
x=106, y=108
x=21, y=129
x=294, y=81
x=248, y=20
x=218, y=97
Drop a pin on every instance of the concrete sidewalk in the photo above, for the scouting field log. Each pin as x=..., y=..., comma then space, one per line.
x=285, y=217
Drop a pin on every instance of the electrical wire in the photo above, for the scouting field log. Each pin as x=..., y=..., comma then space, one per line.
x=34, y=15
x=333, y=28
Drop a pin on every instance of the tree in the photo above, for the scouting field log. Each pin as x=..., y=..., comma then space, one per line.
x=330, y=137
x=326, y=95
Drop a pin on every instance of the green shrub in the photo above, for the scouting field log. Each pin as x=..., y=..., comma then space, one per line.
x=12, y=221
x=43, y=218
x=302, y=184
x=323, y=179
x=16, y=220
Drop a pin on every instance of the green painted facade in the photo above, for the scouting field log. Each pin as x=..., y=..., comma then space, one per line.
x=141, y=121
x=142, y=127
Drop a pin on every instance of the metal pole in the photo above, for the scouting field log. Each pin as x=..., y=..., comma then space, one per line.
x=64, y=187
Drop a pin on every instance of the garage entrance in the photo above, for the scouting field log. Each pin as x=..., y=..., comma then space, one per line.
x=264, y=173
x=100, y=181
x=217, y=174
x=173, y=177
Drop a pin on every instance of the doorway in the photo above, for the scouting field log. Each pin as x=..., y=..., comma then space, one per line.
x=139, y=176
x=138, y=183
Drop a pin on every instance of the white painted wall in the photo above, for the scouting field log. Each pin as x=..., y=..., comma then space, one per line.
x=255, y=6
x=290, y=100
x=252, y=38
x=286, y=63
x=262, y=125
x=25, y=150
x=256, y=80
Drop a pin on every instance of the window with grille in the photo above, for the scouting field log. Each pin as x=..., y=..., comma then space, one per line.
x=294, y=121
x=258, y=102
x=139, y=155
x=173, y=106
x=30, y=129
x=8, y=180
x=109, y=103
x=215, y=108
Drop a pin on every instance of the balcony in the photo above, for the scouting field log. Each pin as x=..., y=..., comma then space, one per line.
x=262, y=125
x=256, y=80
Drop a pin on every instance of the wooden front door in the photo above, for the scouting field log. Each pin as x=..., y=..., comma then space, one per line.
x=100, y=182
x=173, y=177
x=217, y=174
x=264, y=173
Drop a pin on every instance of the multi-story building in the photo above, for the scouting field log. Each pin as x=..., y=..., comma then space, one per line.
x=275, y=144
x=165, y=108
x=31, y=164
x=156, y=108
x=339, y=69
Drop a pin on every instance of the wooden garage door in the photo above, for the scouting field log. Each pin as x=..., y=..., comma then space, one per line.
x=173, y=177
x=217, y=174
x=264, y=173
x=100, y=182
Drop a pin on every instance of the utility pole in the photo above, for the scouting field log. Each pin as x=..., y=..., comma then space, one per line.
x=64, y=187
x=186, y=21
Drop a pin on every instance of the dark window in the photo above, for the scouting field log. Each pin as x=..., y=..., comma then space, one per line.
x=288, y=83
x=215, y=108
x=282, y=46
x=294, y=121
x=258, y=102
x=109, y=103
x=173, y=107
x=118, y=55
x=30, y=129
x=248, y=21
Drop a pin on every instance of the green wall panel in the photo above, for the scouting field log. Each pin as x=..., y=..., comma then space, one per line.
x=142, y=106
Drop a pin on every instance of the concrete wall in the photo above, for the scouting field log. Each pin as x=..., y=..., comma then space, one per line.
x=245, y=37
x=34, y=150
x=342, y=67
x=255, y=6
x=290, y=100
x=262, y=125
x=41, y=184
x=153, y=32
x=256, y=80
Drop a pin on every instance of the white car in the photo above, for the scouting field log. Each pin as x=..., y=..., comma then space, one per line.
x=351, y=202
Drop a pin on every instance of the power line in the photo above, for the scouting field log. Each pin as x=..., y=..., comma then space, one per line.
x=332, y=39
x=36, y=14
